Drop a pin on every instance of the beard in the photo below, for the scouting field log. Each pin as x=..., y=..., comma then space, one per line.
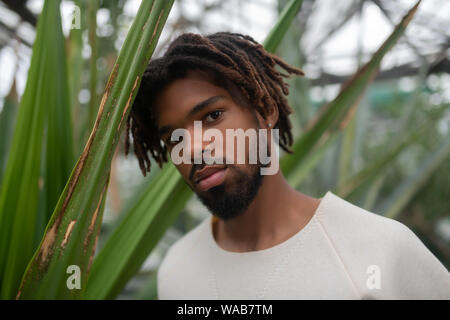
x=228, y=204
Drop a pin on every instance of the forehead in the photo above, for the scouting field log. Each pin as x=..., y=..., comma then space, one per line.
x=181, y=95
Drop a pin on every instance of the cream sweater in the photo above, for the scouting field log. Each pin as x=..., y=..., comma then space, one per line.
x=344, y=252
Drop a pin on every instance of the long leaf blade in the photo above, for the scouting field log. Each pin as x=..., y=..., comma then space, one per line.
x=43, y=106
x=333, y=117
x=138, y=234
x=71, y=233
x=277, y=33
x=392, y=206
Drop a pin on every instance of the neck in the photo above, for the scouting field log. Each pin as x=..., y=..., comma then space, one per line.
x=277, y=212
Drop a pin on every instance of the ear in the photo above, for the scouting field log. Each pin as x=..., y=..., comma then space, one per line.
x=272, y=117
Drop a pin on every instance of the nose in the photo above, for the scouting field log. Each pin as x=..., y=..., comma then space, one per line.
x=198, y=145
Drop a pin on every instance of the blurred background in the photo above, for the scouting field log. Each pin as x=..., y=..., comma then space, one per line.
x=329, y=40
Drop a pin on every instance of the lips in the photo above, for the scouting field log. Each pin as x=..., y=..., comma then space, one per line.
x=209, y=177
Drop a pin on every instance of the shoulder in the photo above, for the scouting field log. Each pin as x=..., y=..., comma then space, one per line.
x=174, y=263
x=363, y=239
x=346, y=220
x=185, y=245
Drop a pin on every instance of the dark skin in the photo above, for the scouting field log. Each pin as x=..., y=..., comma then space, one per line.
x=278, y=211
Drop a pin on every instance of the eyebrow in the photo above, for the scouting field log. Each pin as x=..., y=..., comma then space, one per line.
x=196, y=109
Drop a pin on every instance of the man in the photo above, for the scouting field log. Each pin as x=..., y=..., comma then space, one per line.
x=264, y=240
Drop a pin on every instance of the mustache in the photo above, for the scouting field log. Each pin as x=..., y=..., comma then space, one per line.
x=199, y=166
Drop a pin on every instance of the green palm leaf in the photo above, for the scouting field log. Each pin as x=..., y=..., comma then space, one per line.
x=393, y=205
x=333, y=117
x=354, y=184
x=138, y=234
x=277, y=33
x=71, y=234
x=7, y=120
x=40, y=156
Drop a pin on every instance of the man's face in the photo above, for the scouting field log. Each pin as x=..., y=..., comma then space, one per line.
x=226, y=189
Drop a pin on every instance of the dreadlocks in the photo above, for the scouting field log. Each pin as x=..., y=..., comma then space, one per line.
x=231, y=57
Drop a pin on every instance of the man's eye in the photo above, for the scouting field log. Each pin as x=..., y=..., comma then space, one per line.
x=213, y=116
